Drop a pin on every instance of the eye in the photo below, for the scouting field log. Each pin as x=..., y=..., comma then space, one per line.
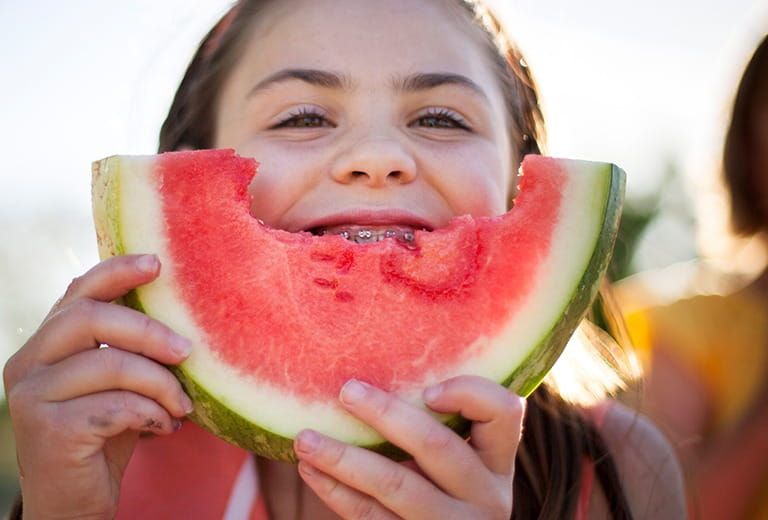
x=441, y=118
x=304, y=117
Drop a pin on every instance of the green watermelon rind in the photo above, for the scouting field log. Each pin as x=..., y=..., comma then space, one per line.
x=221, y=420
x=524, y=379
x=230, y=425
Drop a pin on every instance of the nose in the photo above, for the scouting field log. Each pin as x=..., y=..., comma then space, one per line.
x=376, y=161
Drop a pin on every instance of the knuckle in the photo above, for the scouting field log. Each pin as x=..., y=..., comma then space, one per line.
x=145, y=325
x=364, y=510
x=437, y=439
x=12, y=371
x=510, y=407
x=100, y=420
x=124, y=402
x=115, y=413
x=83, y=308
x=23, y=397
x=383, y=404
x=29, y=412
x=111, y=361
x=73, y=287
x=336, y=452
x=149, y=328
x=392, y=482
x=332, y=491
x=16, y=400
x=510, y=402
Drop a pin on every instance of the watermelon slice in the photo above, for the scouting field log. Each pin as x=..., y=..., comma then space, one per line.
x=280, y=321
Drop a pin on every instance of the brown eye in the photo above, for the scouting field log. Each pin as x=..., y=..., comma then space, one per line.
x=304, y=121
x=441, y=119
x=437, y=122
x=304, y=118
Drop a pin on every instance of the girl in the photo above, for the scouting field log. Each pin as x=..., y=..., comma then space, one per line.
x=365, y=114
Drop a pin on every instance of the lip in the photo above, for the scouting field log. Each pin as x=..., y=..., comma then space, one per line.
x=368, y=217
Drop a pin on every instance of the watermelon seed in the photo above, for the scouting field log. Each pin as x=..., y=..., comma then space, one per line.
x=344, y=296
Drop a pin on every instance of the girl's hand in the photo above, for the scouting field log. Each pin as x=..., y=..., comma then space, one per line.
x=451, y=478
x=77, y=409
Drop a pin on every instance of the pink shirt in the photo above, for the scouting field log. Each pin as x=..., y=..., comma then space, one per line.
x=192, y=474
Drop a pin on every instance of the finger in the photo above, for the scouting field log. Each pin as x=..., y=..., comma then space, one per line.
x=87, y=323
x=496, y=415
x=340, y=498
x=348, y=478
x=79, y=427
x=436, y=448
x=108, y=414
x=112, y=278
x=104, y=369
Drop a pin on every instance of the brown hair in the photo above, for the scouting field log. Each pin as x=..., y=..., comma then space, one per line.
x=557, y=439
x=749, y=202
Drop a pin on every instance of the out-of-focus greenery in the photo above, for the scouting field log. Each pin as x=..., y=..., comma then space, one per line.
x=656, y=229
x=634, y=222
x=8, y=481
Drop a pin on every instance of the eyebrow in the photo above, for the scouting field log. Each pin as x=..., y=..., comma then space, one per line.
x=333, y=80
x=430, y=80
x=319, y=78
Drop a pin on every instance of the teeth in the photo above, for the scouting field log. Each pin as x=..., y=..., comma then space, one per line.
x=365, y=236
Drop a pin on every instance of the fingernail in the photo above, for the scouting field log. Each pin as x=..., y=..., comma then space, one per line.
x=352, y=391
x=176, y=425
x=431, y=393
x=146, y=263
x=307, y=441
x=180, y=345
x=186, y=404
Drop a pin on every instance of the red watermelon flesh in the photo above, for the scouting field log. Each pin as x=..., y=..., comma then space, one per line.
x=288, y=318
x=332, y=288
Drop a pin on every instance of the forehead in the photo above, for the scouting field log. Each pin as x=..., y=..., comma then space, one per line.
x=379, y=35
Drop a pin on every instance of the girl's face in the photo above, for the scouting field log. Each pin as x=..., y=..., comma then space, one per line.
x=367, y=115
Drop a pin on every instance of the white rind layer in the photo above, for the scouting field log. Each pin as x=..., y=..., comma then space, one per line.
x=578, y=230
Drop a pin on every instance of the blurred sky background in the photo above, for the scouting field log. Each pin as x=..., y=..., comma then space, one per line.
x=642, y=84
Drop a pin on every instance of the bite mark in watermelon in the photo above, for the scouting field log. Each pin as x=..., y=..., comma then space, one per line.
x=280, y=321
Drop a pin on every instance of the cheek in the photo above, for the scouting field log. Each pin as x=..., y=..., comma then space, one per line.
x=478, y=183
x=497, y=176
x=277, y=184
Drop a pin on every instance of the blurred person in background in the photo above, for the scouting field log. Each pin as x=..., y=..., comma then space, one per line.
x=706, y=355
